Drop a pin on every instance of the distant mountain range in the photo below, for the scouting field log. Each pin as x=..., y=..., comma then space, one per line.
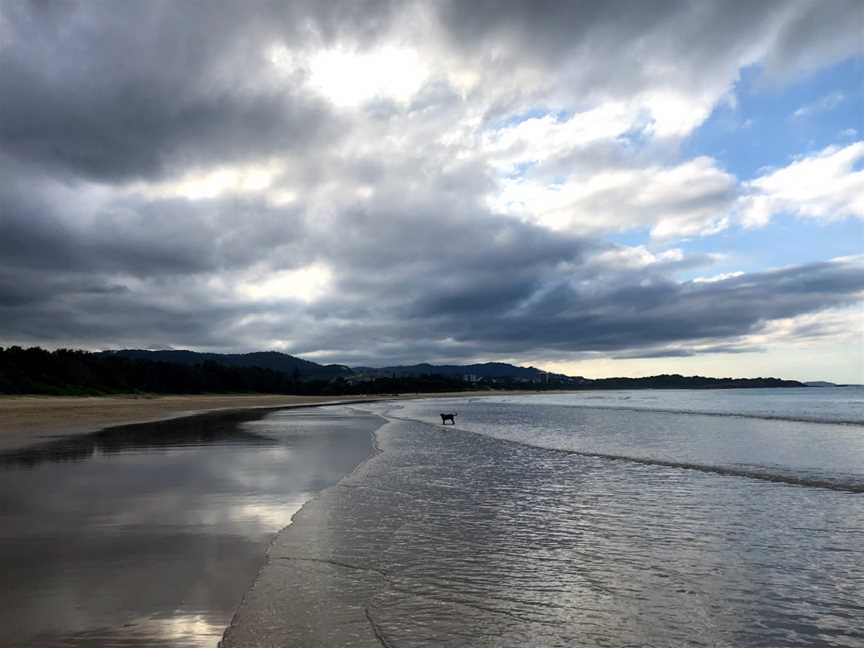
x=484, y=373
x=288, y=364
x=308, y=370
x=470, y=372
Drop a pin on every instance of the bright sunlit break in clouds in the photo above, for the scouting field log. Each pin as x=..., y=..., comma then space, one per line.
x=594, y=188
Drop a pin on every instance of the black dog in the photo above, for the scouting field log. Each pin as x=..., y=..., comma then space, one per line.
x=448, y=417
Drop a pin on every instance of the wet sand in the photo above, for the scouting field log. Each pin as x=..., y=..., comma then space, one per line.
x=161, y=527
x=26, y=420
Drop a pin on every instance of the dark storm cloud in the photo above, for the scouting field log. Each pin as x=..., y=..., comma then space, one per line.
x=87, y=310
x=97, y=97
x=815, y=31
x=43, y=227
x=432, y=284
x=579, y=311
x=615, y=49
x=23, y=289
x=111, y=94
x=662, y=311
x=468, y=284
x=609, y=34
x=686, y=353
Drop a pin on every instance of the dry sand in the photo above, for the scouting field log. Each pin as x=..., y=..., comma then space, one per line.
x=25, y=420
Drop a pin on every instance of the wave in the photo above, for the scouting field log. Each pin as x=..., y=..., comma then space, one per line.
x=754, y=415
x=725, y=470
x=731, y=471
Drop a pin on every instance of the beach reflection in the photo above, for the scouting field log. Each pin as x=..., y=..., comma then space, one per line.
x=151, y=534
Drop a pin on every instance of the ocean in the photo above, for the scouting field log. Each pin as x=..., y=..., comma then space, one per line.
x=644, y=518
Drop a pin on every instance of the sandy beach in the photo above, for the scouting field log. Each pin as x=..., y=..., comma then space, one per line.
x=161, y=527
x=25, y=420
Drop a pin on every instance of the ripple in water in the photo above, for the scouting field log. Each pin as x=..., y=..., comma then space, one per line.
x=450, y=538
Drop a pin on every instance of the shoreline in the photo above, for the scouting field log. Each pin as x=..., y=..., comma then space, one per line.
x=31, y=420
x=192, y=540
x=244, y=627
x=239, y=623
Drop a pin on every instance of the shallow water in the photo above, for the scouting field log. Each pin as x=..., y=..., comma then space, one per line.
x=836, y=404
x=505, y=531
x=764, y=437
x=149, y=535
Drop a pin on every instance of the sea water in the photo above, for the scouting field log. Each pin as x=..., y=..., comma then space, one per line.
x=711, y=518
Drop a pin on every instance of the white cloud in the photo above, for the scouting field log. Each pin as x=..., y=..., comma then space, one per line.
x=690, y=199
x=840, y=324
x=720, y=277
x=350, y=78
x=215, y=182
x=543, y=138
x=826, y=103
x=635, y=257
x=824, y=186
x=677, y=112
x=633, y=111
x=306, y=284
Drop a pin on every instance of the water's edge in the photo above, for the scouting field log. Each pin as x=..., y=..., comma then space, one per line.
x=232, y=627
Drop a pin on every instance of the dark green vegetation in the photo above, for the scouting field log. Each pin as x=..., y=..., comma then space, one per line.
x=475, y=371
x=73, y=372
x=281, y=362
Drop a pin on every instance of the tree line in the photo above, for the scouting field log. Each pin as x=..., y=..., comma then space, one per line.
x=72, y=372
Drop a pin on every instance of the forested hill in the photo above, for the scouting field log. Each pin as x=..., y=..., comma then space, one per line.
x=471, y=371
x=281, y=362
x=72, y=372
x=677, y=381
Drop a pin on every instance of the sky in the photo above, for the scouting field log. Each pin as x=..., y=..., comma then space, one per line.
x=595, y=188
